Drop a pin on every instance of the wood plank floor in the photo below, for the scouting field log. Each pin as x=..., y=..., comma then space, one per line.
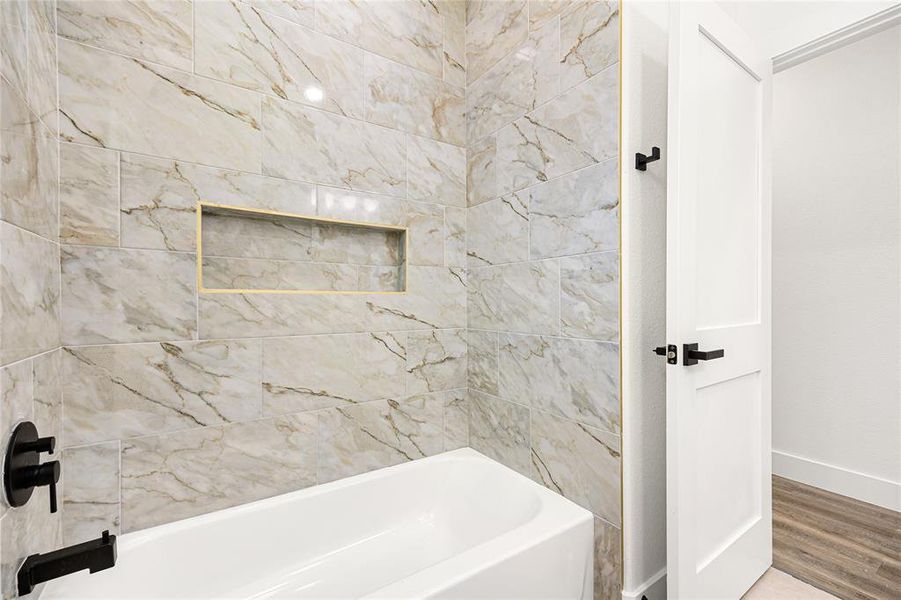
x=843, y=546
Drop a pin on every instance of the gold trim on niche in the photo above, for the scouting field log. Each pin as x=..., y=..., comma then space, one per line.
x=226, y=209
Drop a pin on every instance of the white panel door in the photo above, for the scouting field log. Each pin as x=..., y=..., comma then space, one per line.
x=719, y=509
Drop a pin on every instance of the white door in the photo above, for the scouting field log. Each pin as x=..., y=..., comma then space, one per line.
x=719, y=508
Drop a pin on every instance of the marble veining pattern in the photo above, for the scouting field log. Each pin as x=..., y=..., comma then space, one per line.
x=589, y=40
x=436, y=360
x=499, y=231
x=482, y=365
x=91, y=491
x=436, y=172
x=88, y=195
x=493, y=30
x=302, y=12
x=589, y=296
x=499, y=430
x=456, y=420
x=522, y=296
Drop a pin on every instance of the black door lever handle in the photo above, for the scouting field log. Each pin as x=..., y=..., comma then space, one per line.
x=691, y=355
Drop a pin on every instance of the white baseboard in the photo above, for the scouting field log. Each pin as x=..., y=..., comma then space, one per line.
x=654, y=588
x=853, y=484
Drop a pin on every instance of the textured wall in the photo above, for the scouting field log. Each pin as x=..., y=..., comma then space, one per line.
x=177, y=404
x=29, y=261
x=542, y=104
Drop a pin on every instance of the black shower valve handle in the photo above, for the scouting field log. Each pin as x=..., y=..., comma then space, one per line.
x=40, y=445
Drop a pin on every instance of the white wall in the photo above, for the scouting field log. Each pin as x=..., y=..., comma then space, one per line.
x=837, y=271
x=643, y=217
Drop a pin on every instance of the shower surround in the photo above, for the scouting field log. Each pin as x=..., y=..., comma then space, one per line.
x=488, y=129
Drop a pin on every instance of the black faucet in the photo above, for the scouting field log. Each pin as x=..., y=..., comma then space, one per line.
x=95, y=555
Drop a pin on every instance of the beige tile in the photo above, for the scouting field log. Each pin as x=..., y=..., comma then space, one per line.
x=88, y=195
x=90, y=491
x=436, y=360
x=436, y=172
x=47, y=407
x=589, y=40
x=493, y=30
x=589, y=296
x=499, y=430
x=481, y=171
x=455, y=237
x=302, y=12
x=523, y=297
x=482, y=351
x=498, y=231
x=456, y=420
x=608, y=561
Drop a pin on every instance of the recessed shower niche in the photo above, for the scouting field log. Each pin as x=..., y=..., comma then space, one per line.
x=242, y=250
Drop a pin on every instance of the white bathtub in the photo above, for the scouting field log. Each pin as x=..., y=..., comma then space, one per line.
x=456, y=525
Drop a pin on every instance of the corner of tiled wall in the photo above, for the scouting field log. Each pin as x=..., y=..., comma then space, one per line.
x=542, y=112
x=29, y=262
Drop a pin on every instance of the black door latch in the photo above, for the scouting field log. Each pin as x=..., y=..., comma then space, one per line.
x=670, y=352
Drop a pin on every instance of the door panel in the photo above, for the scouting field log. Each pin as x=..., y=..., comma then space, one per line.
x=719, y=509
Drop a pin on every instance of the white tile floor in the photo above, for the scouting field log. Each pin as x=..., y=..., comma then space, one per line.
x=776, y=585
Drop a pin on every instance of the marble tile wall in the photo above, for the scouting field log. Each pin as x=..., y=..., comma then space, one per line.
x=30, y=355
x=176, y=402
x=542, y=197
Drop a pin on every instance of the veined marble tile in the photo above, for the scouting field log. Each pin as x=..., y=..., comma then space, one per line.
x=544, y=10
x=312, y=145
x=313, y=372
x=608, y=561
x=379, y=279
x=257, y=236
x=241, y=44
x=28, y=180
x=403, y=30
x=17, y=395
x=516, y=85
x=589, y=296
x=14, y=44
x=498, y=231
x=29, y=294
x=403, y=98
x=302, y=12
x=576, y=213
x=88, y=195
x=426, y=223
x=578, y=462
x=436, y=360
x=481, y=171
x=91, y=492
x=48, y=396
x=482, y=352
x=455, y=42
x=358, y=439
x=182, y=474
x=129, y=390
x=522, y=297
x=358, y=246
x=456, y=420
x=256, y=274
x=118, y=295
x=499, y=430
x=493, y=30
x=108, y=100
x=156, y=30
x=576, y=379
x=589, y=40
x=574, y=130
x=42, y=51
x=435, y=299
x=159, y=198
x=436, y=172
x=455, y=237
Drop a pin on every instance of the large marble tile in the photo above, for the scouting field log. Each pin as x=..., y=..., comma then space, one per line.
x=302, y=12
x=455, y=42
x=24, y=531
x=455, y=237
x=608, y=561
x=498, y=231
x=436, y=172
x=159, y=199
x=436, y=360
x=16, y=395
x=482, y=351
x=589, y=296
x=256, y=274
x=403, y=98
x=544, y=10
x=14, y=44
x=407, y=31
x=522, y=297
x=42, y=66
x=435, y=298
x=516, y=85
x=257, y=236
x=313, y=372
x=155, y=30
x=28, y=181
x=109, y=100
x=576, y=129
x=481, y=171
x=182, y=474
x=48, y=396
x=499, y=430
x=29, y=294
x=357, y=439
x=241, y=44
x=88, y=195
x=578, y=462
x=456, y=420
x=91, y=492
x=577, y=213
x=589, y=40
x=575, y=379
x=312, y=145
x=118, y=295
x=129, y=390
x=493, y=30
